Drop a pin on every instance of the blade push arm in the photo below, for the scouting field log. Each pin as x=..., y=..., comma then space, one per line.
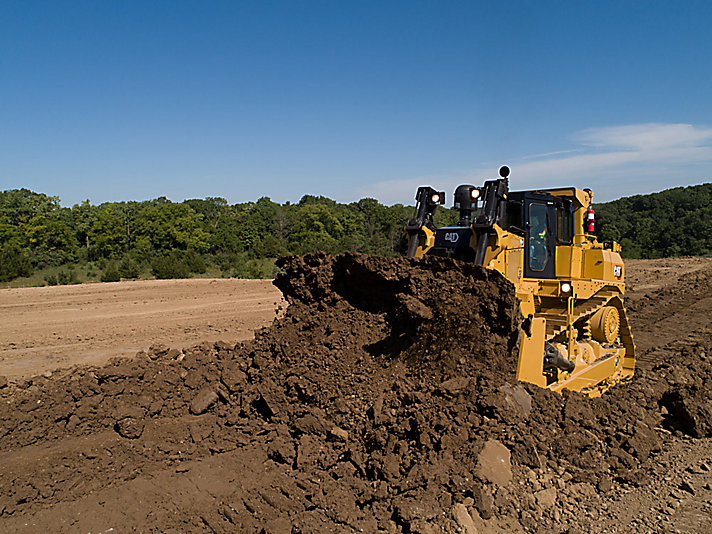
x=427, y=200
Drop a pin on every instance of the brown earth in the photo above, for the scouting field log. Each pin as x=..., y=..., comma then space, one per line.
x=46, y=328
x=383, y=400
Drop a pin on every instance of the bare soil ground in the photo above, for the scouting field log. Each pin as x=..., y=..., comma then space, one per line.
x=47, y=328
x=669, y=302
x=351, y=413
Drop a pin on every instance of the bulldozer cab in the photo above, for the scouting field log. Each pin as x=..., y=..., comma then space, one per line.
x=545, y=222
x=542, y=220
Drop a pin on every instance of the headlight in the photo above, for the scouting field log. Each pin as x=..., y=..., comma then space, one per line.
x=475, y=193
x=435, y=198
x=565, y=287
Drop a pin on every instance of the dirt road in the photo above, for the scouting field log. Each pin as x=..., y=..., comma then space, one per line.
x=47, y=328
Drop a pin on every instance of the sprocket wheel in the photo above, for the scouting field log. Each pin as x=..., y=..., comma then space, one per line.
x=605, y=324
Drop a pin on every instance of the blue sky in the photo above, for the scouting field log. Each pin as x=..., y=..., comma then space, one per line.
x=129, y=100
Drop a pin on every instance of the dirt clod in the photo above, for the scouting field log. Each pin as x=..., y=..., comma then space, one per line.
x=205, y=398
x=493, y=463
x=463, y=519
x=129, y=427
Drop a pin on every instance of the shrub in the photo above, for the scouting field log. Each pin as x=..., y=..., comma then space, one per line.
x=14, y=262
x=229, y=261
x=111, y=273
x=128, y=268
x=195, y=262
x=253, y=269
x=67, y=277
x=170, y=266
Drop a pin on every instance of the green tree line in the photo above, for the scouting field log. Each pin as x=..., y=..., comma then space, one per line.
x=173, y=240
x=166, y=239
x=674, y=222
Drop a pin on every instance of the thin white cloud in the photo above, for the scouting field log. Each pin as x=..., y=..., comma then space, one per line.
x=646, y=137
x=615, y=161
x=549, y=154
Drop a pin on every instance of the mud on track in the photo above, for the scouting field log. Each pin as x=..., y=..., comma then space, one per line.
x=383, y=400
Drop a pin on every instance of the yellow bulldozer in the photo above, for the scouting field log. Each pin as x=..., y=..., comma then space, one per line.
x=575, y=333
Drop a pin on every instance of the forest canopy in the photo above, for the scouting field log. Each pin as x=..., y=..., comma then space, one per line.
x=674, y=222
x=124, y=239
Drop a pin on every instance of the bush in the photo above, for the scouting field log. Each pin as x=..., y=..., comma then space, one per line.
x=178, y=264
x=253, y=269
x=66, y=278
x=195, y=262
x=111, y=273
x=51, y=279
x=14, y=262
x=228, y=261
x=128, y=268
x=170, y=266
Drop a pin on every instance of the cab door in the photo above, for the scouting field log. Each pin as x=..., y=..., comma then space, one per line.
x=540, y=241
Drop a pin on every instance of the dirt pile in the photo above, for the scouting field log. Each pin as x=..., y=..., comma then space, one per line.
x=384, y=399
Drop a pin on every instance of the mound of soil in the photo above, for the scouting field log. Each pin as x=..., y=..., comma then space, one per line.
x=383, y=400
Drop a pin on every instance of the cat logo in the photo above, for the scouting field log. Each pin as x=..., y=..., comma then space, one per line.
x=617, y=271
x=452, y=237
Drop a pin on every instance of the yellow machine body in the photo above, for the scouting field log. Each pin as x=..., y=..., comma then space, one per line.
x=575, y=334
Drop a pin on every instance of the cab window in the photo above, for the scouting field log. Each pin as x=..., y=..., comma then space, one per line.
x=538, y=233
x=513, y=218
x=565, y=224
